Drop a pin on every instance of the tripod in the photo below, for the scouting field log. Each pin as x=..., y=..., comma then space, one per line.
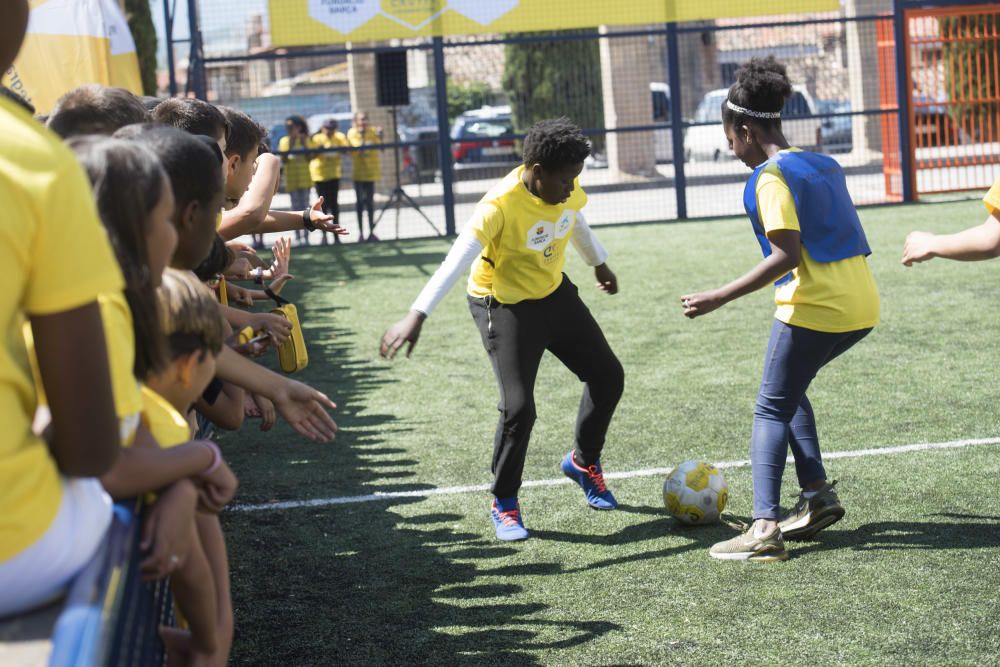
x=398, y=195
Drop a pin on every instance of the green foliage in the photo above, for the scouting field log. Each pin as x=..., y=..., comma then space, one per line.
x=140, y=22
x=554, y=78
x=971, y=53
x=465, y=96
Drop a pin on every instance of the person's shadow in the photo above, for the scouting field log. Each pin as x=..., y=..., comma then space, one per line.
x=961, y=531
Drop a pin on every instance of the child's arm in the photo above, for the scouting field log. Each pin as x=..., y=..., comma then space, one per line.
x=970, y=245
x=145, y=467
x=251, y=211
x=73, y=364
x=166, y=530
x=193, y=586
x=593, y=253
x=285, y=221
x=276, y=326
x=227, y=410
x=304, y=408
x=786, y=253
x=463, y=253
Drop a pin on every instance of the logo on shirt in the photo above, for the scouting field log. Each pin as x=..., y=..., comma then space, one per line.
x=565, y=223
x=540, y=235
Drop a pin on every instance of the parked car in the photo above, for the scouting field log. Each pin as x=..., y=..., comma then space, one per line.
x=484, y=135
x=708, y=141
x=837, y=131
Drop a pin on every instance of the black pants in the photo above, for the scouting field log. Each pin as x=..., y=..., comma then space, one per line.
x=515, y=337
x=329, y=191
x=364, y=193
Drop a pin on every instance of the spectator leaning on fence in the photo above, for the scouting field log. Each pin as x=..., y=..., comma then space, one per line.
x=366, y=169
x=58, y=261
x=325, y=170
x=297, y=180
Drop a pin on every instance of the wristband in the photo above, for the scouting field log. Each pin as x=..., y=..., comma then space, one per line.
x=216, y=457
x=307, y=220
x=258, y=275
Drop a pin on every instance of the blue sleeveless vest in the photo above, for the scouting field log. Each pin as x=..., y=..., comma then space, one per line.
x=828, y=221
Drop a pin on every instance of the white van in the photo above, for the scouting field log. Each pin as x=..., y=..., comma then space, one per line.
x=708, y=142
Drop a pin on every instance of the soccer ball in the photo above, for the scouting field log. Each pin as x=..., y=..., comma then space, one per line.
x=695, y=493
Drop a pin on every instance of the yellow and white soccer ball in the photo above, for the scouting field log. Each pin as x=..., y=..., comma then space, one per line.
x=695, y=493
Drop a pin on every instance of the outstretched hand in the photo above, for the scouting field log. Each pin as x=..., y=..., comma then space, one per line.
x=917, y=248
x=702, y=303
x=403, y=331
x=305, y=409
x=324, y=221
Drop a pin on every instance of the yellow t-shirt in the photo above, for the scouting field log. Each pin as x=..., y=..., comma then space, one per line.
x=833, y=297
x=365, y=165
x=119, y=337
x=326, y=166
x=992, y=198
x=524, y=241
x=163, y=420
x=56, y=257
x=296, y=166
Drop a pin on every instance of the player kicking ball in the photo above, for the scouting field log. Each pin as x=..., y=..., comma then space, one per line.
x=524, y=305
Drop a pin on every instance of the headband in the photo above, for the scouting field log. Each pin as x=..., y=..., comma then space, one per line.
x=751, y=113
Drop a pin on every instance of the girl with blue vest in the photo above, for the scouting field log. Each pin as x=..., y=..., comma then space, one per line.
x=815, y=253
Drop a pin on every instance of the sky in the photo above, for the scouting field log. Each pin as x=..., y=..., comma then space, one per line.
x=222, y=24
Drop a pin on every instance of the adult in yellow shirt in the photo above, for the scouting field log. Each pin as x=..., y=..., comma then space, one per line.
x=523, y=305
x=815, y=252
x=297, y=179
x=325, y=170
x=365, y=170
x=58, y=261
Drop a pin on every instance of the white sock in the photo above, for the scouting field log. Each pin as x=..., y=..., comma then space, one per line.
x=809, y=494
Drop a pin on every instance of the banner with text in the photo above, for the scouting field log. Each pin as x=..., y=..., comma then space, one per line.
x=311, y=22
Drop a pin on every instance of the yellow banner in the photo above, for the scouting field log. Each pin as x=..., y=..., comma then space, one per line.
x=70, y=43
x=309, y=22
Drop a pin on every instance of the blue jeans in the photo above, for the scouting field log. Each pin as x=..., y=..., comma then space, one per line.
x=783, y=416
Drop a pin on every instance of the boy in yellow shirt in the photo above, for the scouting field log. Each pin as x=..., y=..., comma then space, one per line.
x=524, y=305
x=58, y=261
x=325, y=170
x=366, y=168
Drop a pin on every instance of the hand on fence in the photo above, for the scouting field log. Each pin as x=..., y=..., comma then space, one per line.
x=217, y=488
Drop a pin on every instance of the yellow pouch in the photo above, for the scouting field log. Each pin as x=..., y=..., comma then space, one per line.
x=292, y=354
x=223, y=292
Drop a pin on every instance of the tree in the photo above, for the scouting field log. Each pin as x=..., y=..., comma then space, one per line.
x=465, y=96
x=140, y=22
x=553, y=78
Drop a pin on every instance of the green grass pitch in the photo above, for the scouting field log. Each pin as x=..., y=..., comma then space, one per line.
x=910, y=576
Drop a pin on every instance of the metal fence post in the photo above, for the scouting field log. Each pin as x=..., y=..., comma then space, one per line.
x=168, y=28
x=196, y=62
x=902, y=98
x=676, y=121
x=444, y=138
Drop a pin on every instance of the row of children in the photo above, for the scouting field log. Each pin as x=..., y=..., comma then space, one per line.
x=115, y=349
x=309, y=163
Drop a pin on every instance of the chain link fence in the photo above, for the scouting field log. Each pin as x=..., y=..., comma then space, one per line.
x=648, y=96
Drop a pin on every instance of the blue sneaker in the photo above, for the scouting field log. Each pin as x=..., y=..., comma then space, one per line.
x=507, y=520
x=591, y=479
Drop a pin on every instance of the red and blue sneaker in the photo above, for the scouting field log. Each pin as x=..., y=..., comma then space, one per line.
x=591, y=479
x=506, y=515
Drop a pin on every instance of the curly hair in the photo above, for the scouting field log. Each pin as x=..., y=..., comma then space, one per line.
x=761, y=85
x=555, y=143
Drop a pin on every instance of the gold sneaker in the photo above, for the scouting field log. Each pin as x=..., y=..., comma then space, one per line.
x=811, y=515
x=768, y=547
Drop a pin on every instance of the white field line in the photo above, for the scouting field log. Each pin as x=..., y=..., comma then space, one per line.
x=646, y=472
